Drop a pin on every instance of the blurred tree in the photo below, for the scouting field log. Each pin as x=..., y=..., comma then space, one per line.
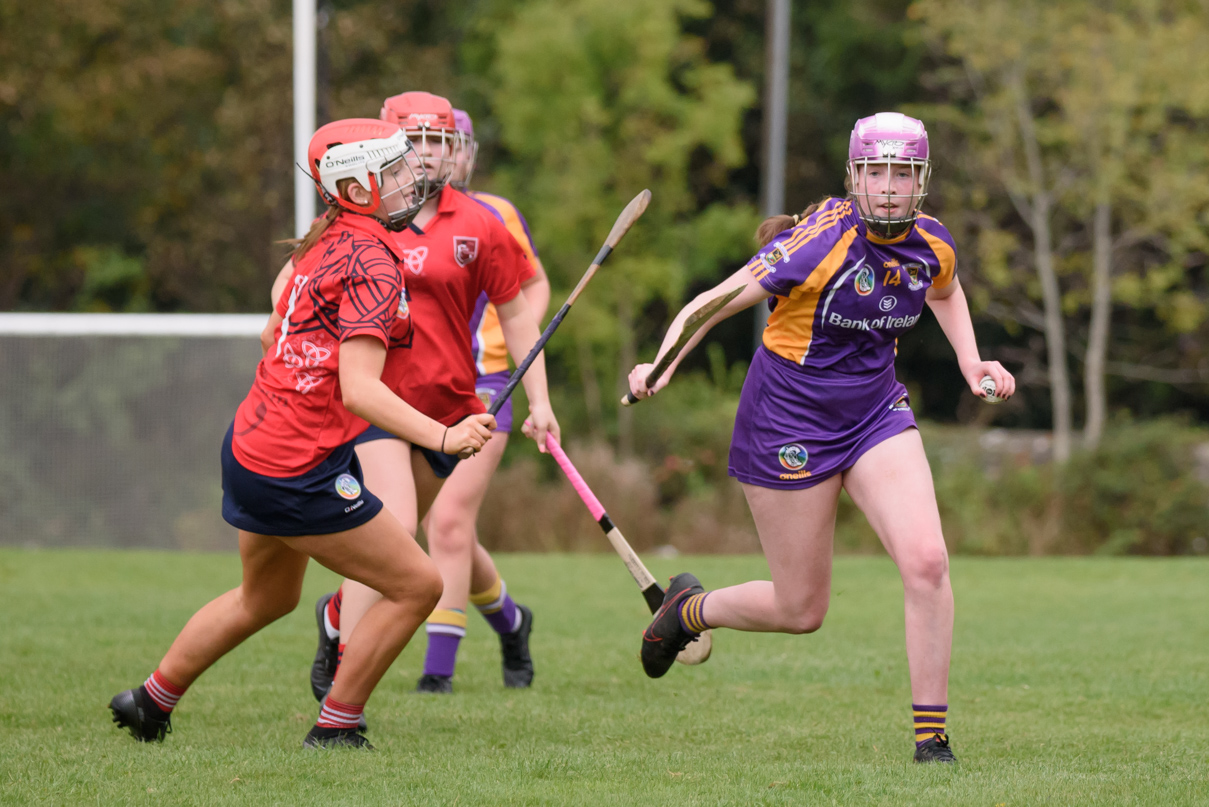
x=1072, y=110
x=597, y=99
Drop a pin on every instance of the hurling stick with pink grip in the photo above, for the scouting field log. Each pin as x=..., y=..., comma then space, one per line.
x=695, y=653
x=625, y=220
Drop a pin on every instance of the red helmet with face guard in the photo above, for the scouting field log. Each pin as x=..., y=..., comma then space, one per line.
x=366, y=150
x=429, y=123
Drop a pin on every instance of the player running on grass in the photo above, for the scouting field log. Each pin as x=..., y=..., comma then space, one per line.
x=292, y=484
x=459, y=257
x=821, y=411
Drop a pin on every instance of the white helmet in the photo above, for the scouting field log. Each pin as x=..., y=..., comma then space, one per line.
x=364, y=149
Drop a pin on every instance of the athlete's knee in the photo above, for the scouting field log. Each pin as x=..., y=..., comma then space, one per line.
x=805, y=618
x=451, y=532
x=927, y=566
x=419, y=588
x=267, y=607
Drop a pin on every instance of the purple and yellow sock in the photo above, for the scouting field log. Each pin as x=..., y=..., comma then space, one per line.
x=929, y=721
x=445, y=629
x=497, y=607
x=692, y=614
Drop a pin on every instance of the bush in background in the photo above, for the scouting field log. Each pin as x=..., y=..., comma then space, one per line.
x=1143, y=492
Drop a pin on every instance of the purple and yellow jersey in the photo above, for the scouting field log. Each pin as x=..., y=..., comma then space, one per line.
x=843, y=296
x=487, y=338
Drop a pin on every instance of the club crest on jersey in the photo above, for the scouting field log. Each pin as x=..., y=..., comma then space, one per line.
x=774, y=256
x=414, y=259
x=903, y=404
x=864, y=281
x=793, y=457
x=465, y=249
x=404, y=308
x=348, y=487
x=913, y=272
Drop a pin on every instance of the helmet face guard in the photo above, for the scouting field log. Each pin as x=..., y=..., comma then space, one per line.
x=468, y=151
x=888, y=142
x=429, y=123
x=376, y=155
x=409, y=186
x=434, y=155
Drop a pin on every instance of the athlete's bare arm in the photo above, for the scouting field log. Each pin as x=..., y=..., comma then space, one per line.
x=361, y=361
x=283, y=277
x=953, y=313
x=752, y=293
x=537, y=293
x=520, y=335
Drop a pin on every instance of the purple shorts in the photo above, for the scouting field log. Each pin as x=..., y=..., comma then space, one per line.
x=795, y=427
x=487, y=387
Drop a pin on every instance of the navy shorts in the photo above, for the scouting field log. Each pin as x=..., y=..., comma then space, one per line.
x=331, y=497
x=442, y=464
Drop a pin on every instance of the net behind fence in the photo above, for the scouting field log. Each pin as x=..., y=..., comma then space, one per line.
x=110, y=427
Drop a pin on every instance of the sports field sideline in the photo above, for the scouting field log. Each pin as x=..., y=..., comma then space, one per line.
x=1075, y=681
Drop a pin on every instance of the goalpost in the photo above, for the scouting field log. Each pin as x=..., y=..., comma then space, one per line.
x=110, y=426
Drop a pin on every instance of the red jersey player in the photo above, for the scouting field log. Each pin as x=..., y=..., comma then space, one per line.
x=292, y=485
x=455, y=251
x=469, y=573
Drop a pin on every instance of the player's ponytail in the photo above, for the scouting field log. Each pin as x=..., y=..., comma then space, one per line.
x=318, y=228
x=772, y=226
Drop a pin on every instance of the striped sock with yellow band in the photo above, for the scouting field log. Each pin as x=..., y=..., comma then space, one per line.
x=692, y=613
x=445, y=628
x=929, y=721
x=497, y=607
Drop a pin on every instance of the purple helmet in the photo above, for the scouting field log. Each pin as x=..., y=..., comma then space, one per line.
x=884, y=140
x=467, y=153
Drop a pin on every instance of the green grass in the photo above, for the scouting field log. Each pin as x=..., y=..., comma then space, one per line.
x=1074, y=682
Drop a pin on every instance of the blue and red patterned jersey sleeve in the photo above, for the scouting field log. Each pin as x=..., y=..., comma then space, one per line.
x=372, y=292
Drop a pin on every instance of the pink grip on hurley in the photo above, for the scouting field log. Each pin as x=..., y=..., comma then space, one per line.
x=581, y=487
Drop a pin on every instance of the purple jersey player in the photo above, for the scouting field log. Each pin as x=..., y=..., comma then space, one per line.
x=822, y=411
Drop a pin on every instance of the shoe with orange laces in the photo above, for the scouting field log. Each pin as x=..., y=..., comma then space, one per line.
x=935, y=750
x=666, y=636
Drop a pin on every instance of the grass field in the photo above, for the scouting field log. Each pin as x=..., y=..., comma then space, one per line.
x=1074, y=682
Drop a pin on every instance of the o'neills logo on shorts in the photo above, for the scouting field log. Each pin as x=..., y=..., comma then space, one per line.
x=793, y=457
x=348, y=487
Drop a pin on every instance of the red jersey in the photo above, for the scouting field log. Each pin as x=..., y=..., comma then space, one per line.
x=463, y=251
x=349, y=284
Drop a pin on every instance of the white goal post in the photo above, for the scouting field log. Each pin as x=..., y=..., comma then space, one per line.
x=111, y=424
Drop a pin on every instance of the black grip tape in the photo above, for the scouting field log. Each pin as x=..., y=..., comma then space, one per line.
x=653, y=595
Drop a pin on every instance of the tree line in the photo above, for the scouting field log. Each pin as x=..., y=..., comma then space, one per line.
x=146, y=148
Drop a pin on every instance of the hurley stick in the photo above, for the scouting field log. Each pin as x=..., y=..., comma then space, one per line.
x=631, y=214
x=691, y=326
x=697, y=651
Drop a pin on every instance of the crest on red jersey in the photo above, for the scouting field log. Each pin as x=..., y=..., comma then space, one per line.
x=465, y=249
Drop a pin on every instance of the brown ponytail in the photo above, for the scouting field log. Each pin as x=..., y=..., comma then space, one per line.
x=773, y=226
x=319, y=226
